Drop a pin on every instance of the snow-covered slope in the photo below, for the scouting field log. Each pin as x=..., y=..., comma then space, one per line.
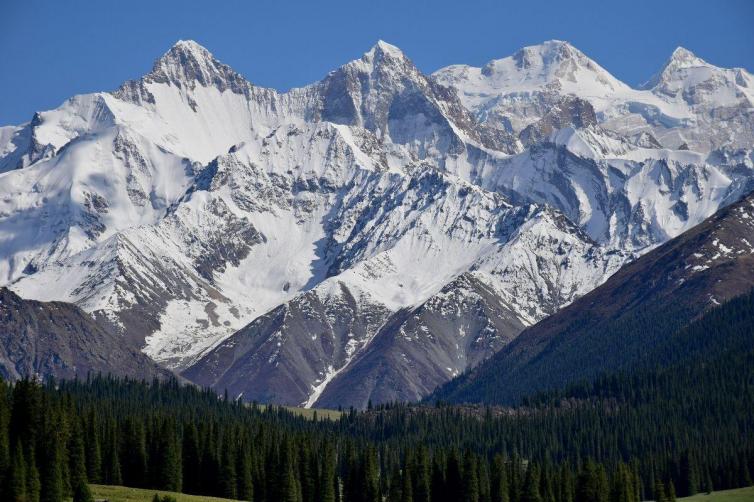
x=380, y=226
x=689, y=102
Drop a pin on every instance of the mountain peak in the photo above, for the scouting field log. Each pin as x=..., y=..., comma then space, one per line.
x=549, y=53
x=545, y=63
x=684, y=58
x=188, y=63
x=191, y=45
x=382, y=49
x=680, y=59
x=185, y=53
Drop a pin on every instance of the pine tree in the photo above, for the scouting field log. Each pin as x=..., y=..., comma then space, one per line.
x=670, y=491
x=485, y=494
x=438, y=488
x=290, y=489
x=470, y=478
x=659, y=491
x=406, y=492
x=546, y=488
x=566, y=488
x=531, y=485
x=5, y=453
x=305, y=476
x=77, y=467
x=371, y=476
x=689, y=475
x=134, y=463
x=708, y=487
x=328, y=480
x=93, y=451
x=245, y=489
x=169, y=475
x=52, y=473
x=228, y=475
x=422, y=490
x=16, y=482
x=623, y=485
x=33, y=483
x=192, y=468
x=81, y=493
x=499, y=479
x=111, y=470
x=591, y=485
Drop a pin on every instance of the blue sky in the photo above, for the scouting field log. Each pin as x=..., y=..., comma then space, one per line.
x=54, y=49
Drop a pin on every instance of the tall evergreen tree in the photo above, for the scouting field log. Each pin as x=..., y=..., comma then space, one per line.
x=470, y=477
x=499, y=478
x=591, y=485
x=52, y=463
x=77, y=468
x=15, y=486
x=531, y=485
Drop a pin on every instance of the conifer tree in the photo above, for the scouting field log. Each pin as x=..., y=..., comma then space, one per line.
x=77, y=469
x=5, y=453
x=371, y=476
x=33, y=483
x=407, y=493
x=93, y=451
x=689, y=475
x=499, y=479
x=228, y=474
x=659, y=491
x=422, y=490
x=16, y=482
x=531, y=485
x=670, y=492
x=51, y=472
x=328, y=481
x=168, y=471
x=192, y=469
x=245, y=489
x=591, y=485
x=470, y=478
x=111, y=472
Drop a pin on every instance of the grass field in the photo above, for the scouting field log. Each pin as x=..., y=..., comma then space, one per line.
x=739, y=495
x=309, y=412
x=124, y=494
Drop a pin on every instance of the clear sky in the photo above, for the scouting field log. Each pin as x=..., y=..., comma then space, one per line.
x=54, y=49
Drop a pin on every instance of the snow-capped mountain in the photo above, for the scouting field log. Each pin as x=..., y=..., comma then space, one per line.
x=642, y=317
x=364, y=237
x=689, y=104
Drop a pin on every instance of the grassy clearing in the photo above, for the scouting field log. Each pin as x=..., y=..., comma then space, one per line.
x=125, y=494
x=738, y=495
x=309, y=412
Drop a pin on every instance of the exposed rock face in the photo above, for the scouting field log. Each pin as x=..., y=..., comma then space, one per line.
x=417, y=350
x=569, y=111
x=59, y=340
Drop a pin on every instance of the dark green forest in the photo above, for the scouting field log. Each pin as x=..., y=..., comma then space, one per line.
x=653, y=433
x=652, y=335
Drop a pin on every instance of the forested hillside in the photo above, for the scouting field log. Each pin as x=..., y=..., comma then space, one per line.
x=658, y=433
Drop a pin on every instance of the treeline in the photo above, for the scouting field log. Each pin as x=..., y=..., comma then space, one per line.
x=651, y=335
x=602, y=446
x=55, y=440
x=681, y=427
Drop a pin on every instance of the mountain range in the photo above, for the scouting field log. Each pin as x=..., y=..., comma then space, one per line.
x=369, y=236
x=644, y=317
